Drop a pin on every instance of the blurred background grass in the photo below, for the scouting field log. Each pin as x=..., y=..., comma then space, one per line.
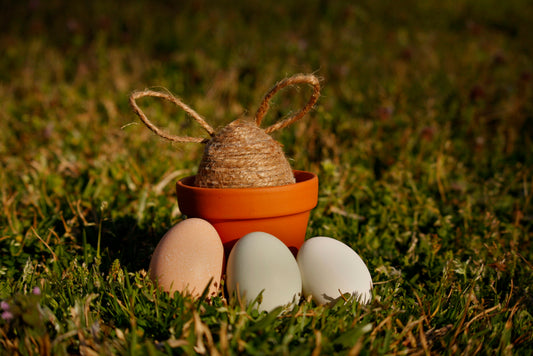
x=440, y=91
x=422, y=138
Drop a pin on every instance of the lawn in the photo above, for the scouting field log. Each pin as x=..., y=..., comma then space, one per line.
x=422, y=140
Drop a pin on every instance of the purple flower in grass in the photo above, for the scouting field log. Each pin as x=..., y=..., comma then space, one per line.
x=4, y=305
x=7, y=315
x=36, y=291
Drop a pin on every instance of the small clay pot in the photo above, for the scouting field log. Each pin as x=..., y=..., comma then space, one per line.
x=282, y=211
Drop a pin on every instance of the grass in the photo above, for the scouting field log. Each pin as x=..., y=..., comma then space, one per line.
x=422, y=143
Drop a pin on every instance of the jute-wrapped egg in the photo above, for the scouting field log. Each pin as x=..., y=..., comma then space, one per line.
x=242, y=155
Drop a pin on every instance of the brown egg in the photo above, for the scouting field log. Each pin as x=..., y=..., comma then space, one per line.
x=188, y=257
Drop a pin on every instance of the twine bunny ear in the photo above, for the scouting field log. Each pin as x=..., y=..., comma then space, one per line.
x=297, y=79
x=177, y=102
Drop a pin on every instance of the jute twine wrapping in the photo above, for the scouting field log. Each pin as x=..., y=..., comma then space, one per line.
x=242, y=154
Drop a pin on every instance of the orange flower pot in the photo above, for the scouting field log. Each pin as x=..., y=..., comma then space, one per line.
x=282, y=211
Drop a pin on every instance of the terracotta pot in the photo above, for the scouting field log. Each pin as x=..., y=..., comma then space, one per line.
x=282, y=211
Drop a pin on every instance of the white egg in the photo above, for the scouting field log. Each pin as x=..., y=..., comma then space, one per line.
x=259, y=262
x=329, y=268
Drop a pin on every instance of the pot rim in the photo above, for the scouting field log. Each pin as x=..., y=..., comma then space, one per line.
x=248, y=203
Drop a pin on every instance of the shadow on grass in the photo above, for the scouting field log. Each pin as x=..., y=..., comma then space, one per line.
x=123, y=239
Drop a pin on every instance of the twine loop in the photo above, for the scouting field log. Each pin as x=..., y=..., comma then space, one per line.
x=297, y=79
x=177, y=102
